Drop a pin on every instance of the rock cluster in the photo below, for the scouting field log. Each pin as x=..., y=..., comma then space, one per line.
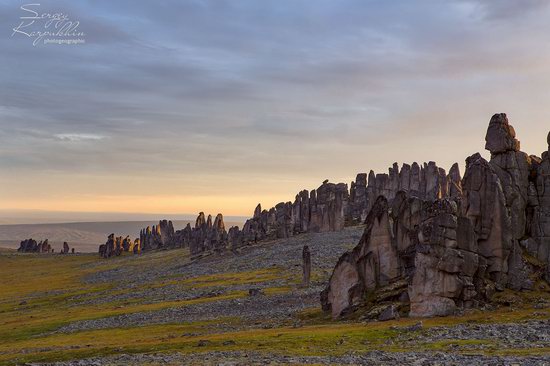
x=427, y=182
x=158, y=236
x=31, y=246
x=431, y=251
x=115, y=246
x=204, y=236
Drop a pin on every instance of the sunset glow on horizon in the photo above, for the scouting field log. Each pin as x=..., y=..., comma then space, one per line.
x=250, y=103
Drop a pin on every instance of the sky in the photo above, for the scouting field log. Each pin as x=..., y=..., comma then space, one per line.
x=177, y=107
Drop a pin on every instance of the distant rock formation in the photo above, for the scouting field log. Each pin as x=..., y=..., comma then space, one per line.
x=65, y=249
x=204, y=236
x=449, y=243
x=115, y=246
x=31, y=246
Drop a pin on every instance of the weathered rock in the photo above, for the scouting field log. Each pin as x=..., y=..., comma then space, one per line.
x=372, y=262
x=109, y=248
x=306, y=266
x=31, y=246
x=484, y=204
x=235, y=238
x=389, y=313
x=501, y=136
x=65, y=248
x=454, y=242
x=540, y=221
x=136, y=249
x=205, y=236
x=413, y=241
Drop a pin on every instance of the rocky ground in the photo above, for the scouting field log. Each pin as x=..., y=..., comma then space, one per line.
x=169, y=308
x=281, y=261
x=374, y=358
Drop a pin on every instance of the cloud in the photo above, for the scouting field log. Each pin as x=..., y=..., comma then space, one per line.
x=216, y=94
x=76, y=137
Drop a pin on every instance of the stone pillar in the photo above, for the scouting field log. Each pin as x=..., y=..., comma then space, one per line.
x=306, y=266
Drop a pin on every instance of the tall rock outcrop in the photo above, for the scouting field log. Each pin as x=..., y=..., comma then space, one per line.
x=539, y=245
x=409, y=254
x=484, y=205
x=513, y=168
x=446, y=243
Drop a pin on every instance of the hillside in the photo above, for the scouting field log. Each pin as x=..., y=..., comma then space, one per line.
x=167, y=308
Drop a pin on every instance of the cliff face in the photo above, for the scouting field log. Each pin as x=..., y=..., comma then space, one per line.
x=432, y=250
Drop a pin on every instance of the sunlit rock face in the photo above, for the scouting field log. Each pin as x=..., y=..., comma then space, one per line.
x=432, y=249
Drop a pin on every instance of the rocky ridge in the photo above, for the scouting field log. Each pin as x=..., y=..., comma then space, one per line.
x=330, y=207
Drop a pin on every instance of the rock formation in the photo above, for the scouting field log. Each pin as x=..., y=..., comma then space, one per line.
x=31, y=246
x=206, y=235
x=427, y=182
x=115, y=246
x=65, y=249
x=306, y=266
x=537, y=243
x=446, y=243
x=330, y=207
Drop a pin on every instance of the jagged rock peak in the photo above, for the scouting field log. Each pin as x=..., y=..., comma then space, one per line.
x=501, y=136
x=257, y=211
x=201, y=220
x=218, y=222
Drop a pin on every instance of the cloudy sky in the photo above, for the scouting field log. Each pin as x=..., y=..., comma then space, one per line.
x=180, y=106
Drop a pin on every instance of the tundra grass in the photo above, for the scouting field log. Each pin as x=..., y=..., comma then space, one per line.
x=39, y=294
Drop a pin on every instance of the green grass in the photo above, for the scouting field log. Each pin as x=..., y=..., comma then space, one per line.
x=40, y=293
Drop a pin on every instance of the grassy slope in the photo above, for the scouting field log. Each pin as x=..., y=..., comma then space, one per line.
x=38, y=293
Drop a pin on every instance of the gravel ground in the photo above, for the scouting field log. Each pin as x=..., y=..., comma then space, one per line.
x=530, y=334
x=251, y=358
x=283, y=255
